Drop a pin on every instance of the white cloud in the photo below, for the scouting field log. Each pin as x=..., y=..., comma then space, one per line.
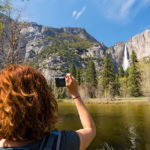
x=74, y=13
x=78, y=14
x=120, y=10
x=126, y=8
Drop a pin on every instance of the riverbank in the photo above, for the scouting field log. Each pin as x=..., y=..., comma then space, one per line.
x=111, y=101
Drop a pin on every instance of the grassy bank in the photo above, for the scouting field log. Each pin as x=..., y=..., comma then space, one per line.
x=111, y=101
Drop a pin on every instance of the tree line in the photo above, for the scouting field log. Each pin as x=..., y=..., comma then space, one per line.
x=109, y=84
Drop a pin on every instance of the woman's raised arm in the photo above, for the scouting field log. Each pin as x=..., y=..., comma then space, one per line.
x=89, y=131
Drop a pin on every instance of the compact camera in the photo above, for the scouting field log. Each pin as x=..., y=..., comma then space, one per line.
x=60, y=82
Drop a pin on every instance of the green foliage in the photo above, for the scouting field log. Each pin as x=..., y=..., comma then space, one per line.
x=60, y=92
x=67, y=46
x=75, y=41
x=83, y=75
x=145, y=77
x=62, y=43
x=126, y=73
x=133, y=82
x=121, y=71
x=108, y=77
x=108, y=74
x=73, y=70
x=91, y=76
x=1, y=28
x=99, y=61
x=134, y=77
x=34, y=64
x=123, y=86
x=58, y=47
x=5, y=6
x=113, y=89
x=65, y=41
x=78, y=75
x=80, y=44
x=146, y=60
x=116, y=88
x=133, y=58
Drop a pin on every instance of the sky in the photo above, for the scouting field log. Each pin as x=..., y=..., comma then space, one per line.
x=108, y=21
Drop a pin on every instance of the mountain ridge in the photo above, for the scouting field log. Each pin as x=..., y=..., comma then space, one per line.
x=53, y=50
x=77, y=49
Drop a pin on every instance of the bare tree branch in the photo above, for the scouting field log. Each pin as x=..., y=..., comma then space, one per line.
x=10, y=36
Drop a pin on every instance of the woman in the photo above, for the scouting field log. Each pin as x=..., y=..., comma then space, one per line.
x=28, y=112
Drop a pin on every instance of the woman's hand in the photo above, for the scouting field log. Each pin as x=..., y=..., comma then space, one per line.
x=72, y=85
x=89, y=131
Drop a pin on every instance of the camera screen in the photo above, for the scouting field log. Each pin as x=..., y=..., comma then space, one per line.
x=60, y=82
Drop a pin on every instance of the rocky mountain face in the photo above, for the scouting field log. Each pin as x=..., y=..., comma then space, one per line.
x=116, y=53
x=36, y=37
x=53, y=50
x=140, y=44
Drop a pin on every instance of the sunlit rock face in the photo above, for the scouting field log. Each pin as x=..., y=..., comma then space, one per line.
x=38, y=37
x=116, y=53
x=34, y=44
x=35, y=37
x=140, y=44
x=97, y=50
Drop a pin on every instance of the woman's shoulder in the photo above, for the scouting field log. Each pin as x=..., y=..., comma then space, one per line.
x=68, y=140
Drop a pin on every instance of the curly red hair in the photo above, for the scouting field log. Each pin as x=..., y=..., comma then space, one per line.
x=27, y=106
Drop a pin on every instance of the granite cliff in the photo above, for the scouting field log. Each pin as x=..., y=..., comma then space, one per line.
x=53, y=50
x=140, y=44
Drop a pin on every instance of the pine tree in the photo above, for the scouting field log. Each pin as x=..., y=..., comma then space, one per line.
x=108, y=76
x=116, y=86
x=121, y=71
x=78, y=75
x=91, y=76
x=134, y=77
x=126, y=73
x=73, y=70
x=133, y=58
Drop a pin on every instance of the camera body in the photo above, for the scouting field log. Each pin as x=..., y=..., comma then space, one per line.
x=60, y=81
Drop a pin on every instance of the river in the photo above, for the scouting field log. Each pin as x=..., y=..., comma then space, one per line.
x=119, y=126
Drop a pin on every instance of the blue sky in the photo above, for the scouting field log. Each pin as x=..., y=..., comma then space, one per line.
x=109, y=21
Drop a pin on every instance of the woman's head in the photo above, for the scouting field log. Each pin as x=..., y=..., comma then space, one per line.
x=27, y=106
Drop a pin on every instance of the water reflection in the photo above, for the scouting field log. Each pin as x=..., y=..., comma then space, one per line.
x=132, y=137
x=119, y=127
